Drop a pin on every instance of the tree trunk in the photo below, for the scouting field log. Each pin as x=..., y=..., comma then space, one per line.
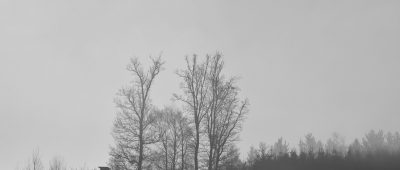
x=174, y=154
x=182, y=156
x=140, y=161
x=210, y=156
x=196, y=148
x=218, y=157
x=166, y=157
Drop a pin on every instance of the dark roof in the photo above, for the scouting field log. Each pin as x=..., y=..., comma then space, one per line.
x=104, y=168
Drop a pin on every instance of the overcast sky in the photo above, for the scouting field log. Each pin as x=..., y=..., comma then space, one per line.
x=305, y=66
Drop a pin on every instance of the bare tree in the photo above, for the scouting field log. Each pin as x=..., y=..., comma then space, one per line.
x=131, y=130
x=57, y=163
x=194, y=89
x=185, y=135
x=225, y=112
x=166, y=136
x=34, y=162
x=174, y=135
x=208, y=95
x=164, y=139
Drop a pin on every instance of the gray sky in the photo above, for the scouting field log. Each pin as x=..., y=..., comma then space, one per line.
x=306, y=66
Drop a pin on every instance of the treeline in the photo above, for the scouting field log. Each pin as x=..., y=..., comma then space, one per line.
x=376, y=150
x=34, y=162
x=200, y=135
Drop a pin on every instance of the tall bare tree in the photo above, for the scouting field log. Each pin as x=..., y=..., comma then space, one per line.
x=195, y=91
x=225, y=112
x=131, y=130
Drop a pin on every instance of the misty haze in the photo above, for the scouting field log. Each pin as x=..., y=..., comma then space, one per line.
x=208, y=85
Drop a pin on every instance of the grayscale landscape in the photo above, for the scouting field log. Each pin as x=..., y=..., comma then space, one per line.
x=199, y=85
